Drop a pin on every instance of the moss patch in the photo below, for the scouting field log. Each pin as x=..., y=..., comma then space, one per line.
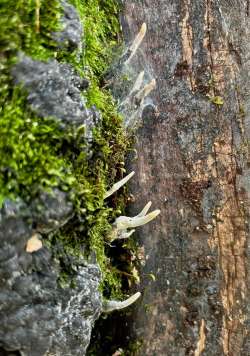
x=18, y=21
x=29, y=149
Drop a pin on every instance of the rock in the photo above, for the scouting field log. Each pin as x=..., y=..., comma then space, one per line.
x=51, y=211
x=69, y=38
x=83, y=307
x=37, y=315
x=54, y=90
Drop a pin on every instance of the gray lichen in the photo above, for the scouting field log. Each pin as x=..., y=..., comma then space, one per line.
x=70, y=36
x=36, y=314
x=54, y=89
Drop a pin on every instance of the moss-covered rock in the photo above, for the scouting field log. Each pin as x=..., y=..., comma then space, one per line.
x=37, y=314
x=62, y=145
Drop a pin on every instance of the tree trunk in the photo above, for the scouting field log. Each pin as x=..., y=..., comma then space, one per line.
x=193, y=163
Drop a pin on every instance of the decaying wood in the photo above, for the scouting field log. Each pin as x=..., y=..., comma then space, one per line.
x=193, y=163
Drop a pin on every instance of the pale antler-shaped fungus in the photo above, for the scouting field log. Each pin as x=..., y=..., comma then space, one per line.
x=145, y=91
x=136, y=87
x=118, y=185
x=139, y=102
x=112, y=305
x=122, y=223
x=136, y=43
x=125, y=222
x=145, y=209
x=123, y=234
x=138, y=83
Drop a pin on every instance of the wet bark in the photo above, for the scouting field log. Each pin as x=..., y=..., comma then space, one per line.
x=193, y=163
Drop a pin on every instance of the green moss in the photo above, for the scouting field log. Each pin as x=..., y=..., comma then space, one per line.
x=101, y=31
x=19, y=22
x=20, y=32
x=101, y=36
x=29, y=150
x=29, y=147
x=217, y=100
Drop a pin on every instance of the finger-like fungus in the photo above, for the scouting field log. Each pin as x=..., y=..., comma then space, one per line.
x=118, y=185
x=123, y=234
x=137, y=41
x=138, y=83
x=112, y=305
x=145, y=209
x=125, y=222
x=136, y=87
x=145, y=91
x=122, y=223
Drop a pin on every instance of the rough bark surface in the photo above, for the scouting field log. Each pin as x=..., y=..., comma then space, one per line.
x=193, y=163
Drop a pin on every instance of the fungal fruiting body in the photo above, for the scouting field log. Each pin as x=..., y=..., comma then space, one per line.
x=138, y=83
x=118, y=185
x=137, y=41
x=135, y=89
x=120, y=231
x=145, y=91
x=111, y=305
x=123, y=223
x=132, y=104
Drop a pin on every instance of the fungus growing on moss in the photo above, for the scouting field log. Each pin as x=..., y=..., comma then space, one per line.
x=122, y=223
x=145, y=91
x=118, y=185
x=125, y=222
x=136, y=43
x=112, y=305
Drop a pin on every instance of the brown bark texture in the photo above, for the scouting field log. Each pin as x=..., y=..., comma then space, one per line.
x=193, y=163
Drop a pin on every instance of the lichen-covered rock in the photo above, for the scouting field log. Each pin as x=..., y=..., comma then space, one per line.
x=51, y=211
x=54, y=89
x=71, y=34
x=79, y=311
x=37, y=315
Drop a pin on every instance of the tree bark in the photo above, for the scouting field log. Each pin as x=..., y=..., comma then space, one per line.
x=193, y=163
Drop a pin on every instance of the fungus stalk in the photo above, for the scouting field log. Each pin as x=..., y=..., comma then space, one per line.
x=137, y=41
x=136, y=87
x=138, y=83
x=118, y=185
x=112, y=305
x=145, y=91
x=123, y=223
